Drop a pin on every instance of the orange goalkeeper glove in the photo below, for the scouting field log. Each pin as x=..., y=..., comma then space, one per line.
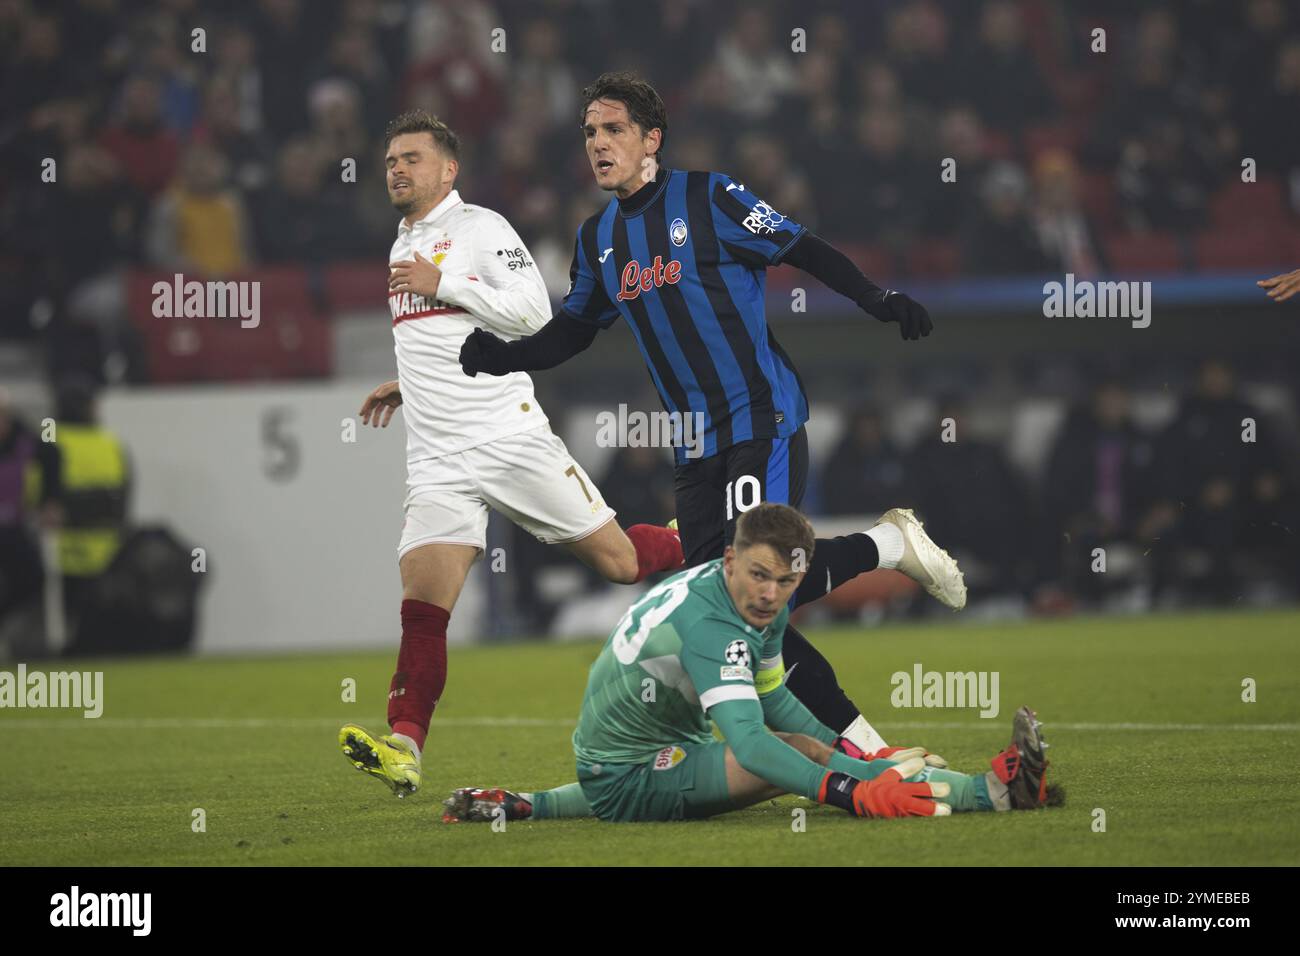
x=887, y=795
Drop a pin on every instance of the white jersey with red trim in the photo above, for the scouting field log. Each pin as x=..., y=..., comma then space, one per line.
x=488, y=281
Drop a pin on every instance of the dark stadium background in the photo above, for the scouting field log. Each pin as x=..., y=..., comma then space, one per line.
x=1124, y=164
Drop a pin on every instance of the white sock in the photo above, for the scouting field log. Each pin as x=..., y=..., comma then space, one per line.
x=863, y=735
x=889, y=542
x=415, y=748
x=999, y=792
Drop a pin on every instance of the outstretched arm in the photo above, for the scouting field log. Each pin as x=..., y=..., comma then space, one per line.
x=837, y=272
x=585, y=311
x=879, y=792
x=557, y=341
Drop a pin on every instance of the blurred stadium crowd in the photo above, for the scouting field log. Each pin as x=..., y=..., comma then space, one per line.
x=1082, y=160
x=232, y=159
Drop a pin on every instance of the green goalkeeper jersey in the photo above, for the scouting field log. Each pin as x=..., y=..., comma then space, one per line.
x=677, y=652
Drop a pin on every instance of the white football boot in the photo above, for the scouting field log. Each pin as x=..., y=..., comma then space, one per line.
x=925, y=562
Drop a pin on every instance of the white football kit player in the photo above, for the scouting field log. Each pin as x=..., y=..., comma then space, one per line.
x=481, y=442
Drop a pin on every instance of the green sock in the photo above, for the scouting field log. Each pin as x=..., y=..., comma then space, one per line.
x=559, y=803
x=968, y=792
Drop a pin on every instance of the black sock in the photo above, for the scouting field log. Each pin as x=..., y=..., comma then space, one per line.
x=843, y=558
x=811, y=678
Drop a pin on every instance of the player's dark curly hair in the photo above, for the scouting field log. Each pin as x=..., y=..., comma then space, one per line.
x=644, y=105
x=418, y=121
x=780, y=527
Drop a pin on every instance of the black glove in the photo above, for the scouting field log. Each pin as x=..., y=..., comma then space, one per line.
x=484, y=352
x=912, y=318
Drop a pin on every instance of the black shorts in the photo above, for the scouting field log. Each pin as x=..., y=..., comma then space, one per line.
x=712, y=492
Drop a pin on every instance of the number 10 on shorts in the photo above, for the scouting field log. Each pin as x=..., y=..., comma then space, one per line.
x=745, y=491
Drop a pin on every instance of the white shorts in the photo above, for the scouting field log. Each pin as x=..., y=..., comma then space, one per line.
x=530, y=478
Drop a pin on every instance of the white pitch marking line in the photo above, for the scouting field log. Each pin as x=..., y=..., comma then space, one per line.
x=251, y=723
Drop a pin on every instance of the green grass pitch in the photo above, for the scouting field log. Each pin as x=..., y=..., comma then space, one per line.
x=1145, y=717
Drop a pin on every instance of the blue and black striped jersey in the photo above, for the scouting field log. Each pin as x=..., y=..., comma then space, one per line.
x=684, y=264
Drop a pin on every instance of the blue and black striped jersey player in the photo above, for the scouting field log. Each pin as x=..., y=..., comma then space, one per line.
x=681, y=257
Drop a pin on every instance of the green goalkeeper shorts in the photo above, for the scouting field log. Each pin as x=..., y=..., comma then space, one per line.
x=683, y=782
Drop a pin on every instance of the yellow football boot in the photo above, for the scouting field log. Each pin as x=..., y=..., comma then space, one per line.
x=387, y=758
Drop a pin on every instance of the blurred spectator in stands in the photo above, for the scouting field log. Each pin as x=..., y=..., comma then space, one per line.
x=1163, y=183
x=1008, y=89
x=695, y=149
x=1064, y=229
x=917, y=37
x=638, y=484
x=222, y=128
x=241, y=81
x=1000, y=238
x=168, y=59
x=201, y=225
x=30, y=495
x=40, y=71
x=96, y=42
x=1280, y=140
x=76, y=232
x=145, y=149
x=298, y=218
x=545, y=68
x=815, y=106
x=335, y=108
x=286, y=31
x=975, y=502
x=514, y=179
x=881, y=89
x=764, y=164
x=1213, y=485
x=952, y=206
x=287, y=38
x=877, y=183
x=449, y=53
x=1157, y=94
x=53, y=127
x=354, y=58
x=96, y=480
x=71, y=240
x=864, y=474
x=1097, y=488
x=757, y=70
x=1252, y=49
x=553, y=251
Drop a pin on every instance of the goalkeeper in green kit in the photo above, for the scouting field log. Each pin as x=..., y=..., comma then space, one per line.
x=706, y=645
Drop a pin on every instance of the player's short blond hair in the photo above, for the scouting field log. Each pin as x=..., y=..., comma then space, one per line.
x=418, y=121
x=780, y=527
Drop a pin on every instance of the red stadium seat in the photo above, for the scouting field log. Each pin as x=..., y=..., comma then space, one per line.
x=356, y=285
x=291, y=340
x=1259, y=247
x=1099, y=195
x=934, y=259
x=283, y=346
x=1238, y=203
x=872, y=260
x=1143, y=253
